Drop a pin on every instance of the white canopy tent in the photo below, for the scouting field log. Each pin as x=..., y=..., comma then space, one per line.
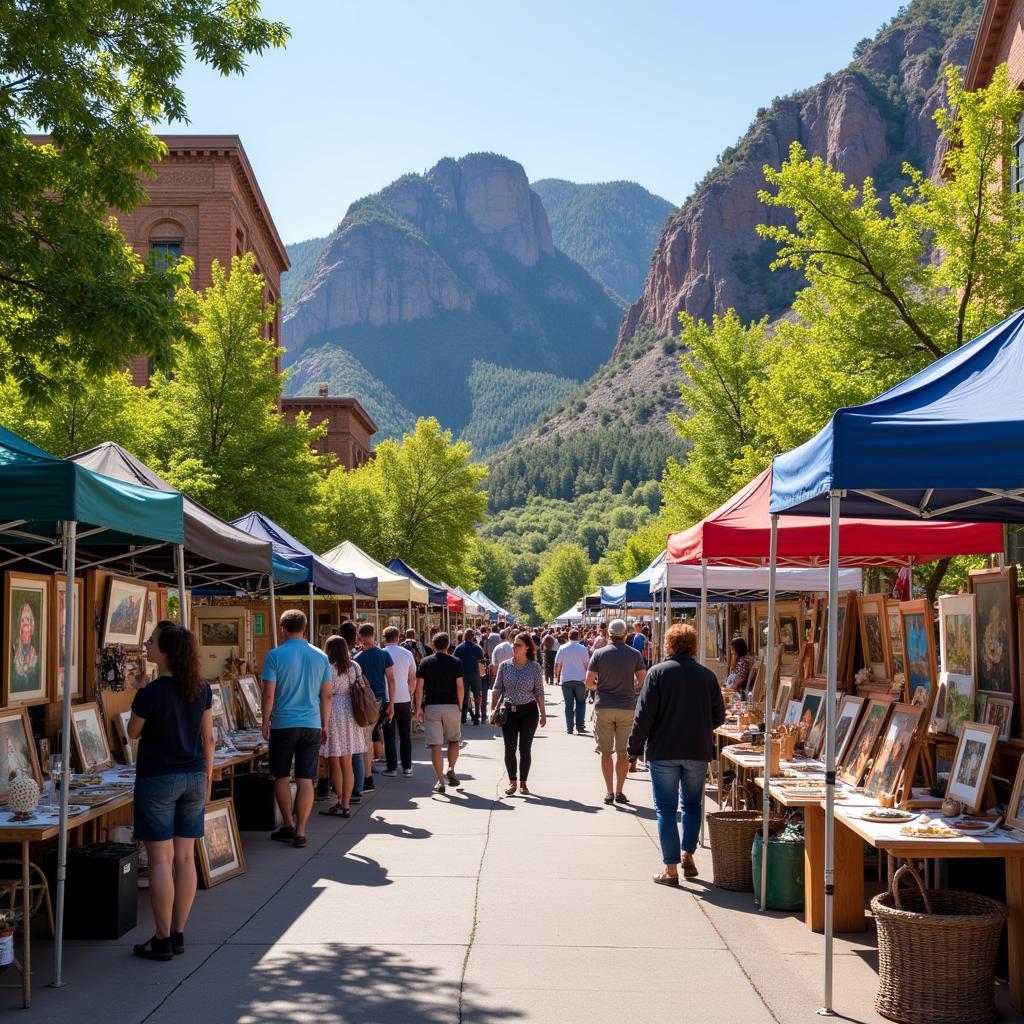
x=748, y=581
x=569, y=616
x=391, y=586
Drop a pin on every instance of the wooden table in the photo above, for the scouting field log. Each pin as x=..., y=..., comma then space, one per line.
x=749, y=762
x=36, y=831
x=725, y=736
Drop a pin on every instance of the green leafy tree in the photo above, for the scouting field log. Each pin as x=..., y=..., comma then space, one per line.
x=522, y=606
x=491, y=568
x=96, y=75
x=562, y=581
x=216, y=428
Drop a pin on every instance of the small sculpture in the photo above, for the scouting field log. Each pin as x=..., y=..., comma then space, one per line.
x=22, y=796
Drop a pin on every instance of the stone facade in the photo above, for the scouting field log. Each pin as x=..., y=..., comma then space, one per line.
x=349, y=427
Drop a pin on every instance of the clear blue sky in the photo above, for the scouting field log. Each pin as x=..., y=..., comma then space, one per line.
x=589, y=90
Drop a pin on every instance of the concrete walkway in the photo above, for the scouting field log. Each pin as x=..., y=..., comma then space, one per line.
x=472, y=908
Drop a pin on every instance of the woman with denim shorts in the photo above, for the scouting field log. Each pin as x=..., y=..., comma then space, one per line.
x=172, y=720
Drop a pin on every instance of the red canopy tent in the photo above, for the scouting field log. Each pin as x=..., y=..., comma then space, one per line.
x=739, y=533
x=455, y=603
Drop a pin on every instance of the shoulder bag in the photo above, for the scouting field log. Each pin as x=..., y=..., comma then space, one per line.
x=365, y=705
x=501, y=711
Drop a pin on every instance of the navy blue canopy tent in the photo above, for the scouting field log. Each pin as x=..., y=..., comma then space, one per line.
x=946, y=444
x=636, y=591
x=436, y=594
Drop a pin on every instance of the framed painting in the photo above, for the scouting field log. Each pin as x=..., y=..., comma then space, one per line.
x=940, y=708
x=874, y=634
x=893, y=750
x=1015, y=808
x=129, y=747
x=812, y=707
x=789, y=623
x=845, y=627
x=26, y=638
x=124, y=615
x=995, y=629
x=998, y=711
x=846, y=723
x=220, y=850
x=151, y=619
x=252, y=699
x=227, y=690
x=959, y=658
x=816, y=737
x=170, y=605
x=220, y=632
x=17, y=748
x=792, y=713
x=860, y=748
x=57, y=646
x=892, y=615
x=90, y=738
x=971, y=764
x=782, y=698
x=918, y=645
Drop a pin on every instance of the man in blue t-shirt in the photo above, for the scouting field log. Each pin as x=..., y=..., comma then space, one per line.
x=638, y=641
x=296, y=712
x=379, y=668
x=474, y=667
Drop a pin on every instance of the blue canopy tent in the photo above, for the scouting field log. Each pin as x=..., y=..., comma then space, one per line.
x=494, y=609
x=316, y=573
x=47, y=506
x=945, y=444
x=636, y=591
x=436, y=594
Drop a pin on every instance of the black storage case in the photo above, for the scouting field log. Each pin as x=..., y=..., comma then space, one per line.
x=255, y=808
x=102, y=890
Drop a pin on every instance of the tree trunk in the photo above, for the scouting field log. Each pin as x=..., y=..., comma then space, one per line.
x=931, y=588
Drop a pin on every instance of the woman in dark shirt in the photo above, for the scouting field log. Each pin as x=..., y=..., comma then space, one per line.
x=521, y=683
x=172, y=720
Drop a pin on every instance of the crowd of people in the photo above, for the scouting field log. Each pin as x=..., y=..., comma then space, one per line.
x=361, y=699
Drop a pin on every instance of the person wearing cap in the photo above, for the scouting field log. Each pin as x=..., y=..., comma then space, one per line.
x=616, y=673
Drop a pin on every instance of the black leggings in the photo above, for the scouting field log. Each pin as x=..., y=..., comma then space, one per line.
x=519, y=730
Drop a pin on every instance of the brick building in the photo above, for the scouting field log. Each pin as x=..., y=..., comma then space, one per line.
x=349, y=427
x=1000, y=39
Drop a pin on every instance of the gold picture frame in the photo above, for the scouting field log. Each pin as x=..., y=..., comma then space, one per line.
x=17, y=748
x=872, y=720
x=896, y=743
x=92, y=747
x=873, y=622
x=26, y=638
x=968, y=775
x=219, y=851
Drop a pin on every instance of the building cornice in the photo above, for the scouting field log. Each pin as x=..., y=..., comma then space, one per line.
x=986, y=44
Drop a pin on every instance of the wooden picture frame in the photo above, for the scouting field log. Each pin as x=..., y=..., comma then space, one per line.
x=895, y=745
x=227, y=689
x=872, y=720
x=219, y=851
x=895, y=630
x=998, y=711
x=217, y=628
x=995, y=629
x=124, y=612
x=968, y=775
x=847, y=615
x=129, y=747
x=27, y=638
x=1015, y=808
x=811, y=704
x=873, y=623
x=17, y=748
x=57, y=633
x=793, y=713
x=89, y=733
x=782, y=698
x=847, y=718
x=252, y=699
x=920, y=663
x=959, y=653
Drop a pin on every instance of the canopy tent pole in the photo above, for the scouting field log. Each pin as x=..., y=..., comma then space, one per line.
x=70, y=538
x=312, y=627
x=376, y=616
x=702, y=636
x=835, y=500
x=273, y=614
x=408, y=614
x=180, y=558
x=355, y=608
x=769, y=679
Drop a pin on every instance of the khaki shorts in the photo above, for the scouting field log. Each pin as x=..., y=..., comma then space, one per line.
x=613, y=727
x=442, y=723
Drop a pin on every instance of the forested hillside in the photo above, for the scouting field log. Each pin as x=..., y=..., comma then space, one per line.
x=303, y=257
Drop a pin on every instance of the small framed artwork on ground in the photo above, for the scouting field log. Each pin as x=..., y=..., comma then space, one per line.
x=220, y=849
x=252, y=699
x=971, y=763
x=858, y=753
x=874, y=634
x=998, y=711
x=918, y=645
x=995, y=630
x=1015, y=808
x=894, y=749
x=26, y=638
x=90, y=738
x=125, y=613
x=959, y=658
x=846, y=722
x=17, y=748
x=60, y=595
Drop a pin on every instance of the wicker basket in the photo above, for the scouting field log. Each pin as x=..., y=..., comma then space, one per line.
x=936, y=954
x=732, y=835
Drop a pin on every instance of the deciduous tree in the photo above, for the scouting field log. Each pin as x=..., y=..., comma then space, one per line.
x=562, y=581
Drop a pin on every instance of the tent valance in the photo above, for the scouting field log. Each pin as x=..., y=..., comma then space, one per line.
x=391, y=586
x=738, y=533
x=733, y=581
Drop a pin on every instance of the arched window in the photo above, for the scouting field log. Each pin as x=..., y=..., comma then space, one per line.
x=165, y=244
x=1017, y=170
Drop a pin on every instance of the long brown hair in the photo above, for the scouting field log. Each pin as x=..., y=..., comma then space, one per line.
x=182, y=651
x=337, y=653
x=531, y=650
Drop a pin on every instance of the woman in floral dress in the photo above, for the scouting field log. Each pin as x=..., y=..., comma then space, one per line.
x=345, y=738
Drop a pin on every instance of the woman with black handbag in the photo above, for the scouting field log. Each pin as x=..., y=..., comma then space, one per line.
x=519, y=687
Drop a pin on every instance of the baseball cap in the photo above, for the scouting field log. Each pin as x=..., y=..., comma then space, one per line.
x=617, y=627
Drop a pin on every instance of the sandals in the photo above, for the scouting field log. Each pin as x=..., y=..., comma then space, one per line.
x=664, y=878
x=523, y=789
x=511, y=791
x=337, y=811
x=689, y=868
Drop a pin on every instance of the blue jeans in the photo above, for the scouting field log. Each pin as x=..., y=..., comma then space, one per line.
x=170, y=806
x=575, y=693
x=667, y=779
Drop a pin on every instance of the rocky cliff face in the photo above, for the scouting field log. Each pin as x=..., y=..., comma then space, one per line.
x=864, y=121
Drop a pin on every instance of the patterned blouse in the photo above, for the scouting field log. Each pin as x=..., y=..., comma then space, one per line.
x=520, y=685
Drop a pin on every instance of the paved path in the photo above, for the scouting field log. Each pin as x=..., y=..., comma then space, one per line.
x=468, y=908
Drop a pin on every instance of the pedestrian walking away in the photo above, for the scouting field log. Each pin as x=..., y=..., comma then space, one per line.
x=401, y=722
x=379, y=670
x=362, y=766
x=679, y=709
x=549, y=648
x=173, y=722
x=440, y=693
x=616, y=673
x=571, y=664
x=296, y=713
x=474, y=665
x=521, y=683
x=346, y=740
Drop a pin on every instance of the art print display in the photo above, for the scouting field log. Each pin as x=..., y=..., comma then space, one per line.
x=789, y=626
x=997, y=711
x=1015, y=808
x=995, y=632
x=893, y=750
x=892, y=615
x=816, y=737
x=874, y=634
x=219, y=633
x=26, y=638
x=17, y=748
x=846, y=723
x=862, y=745
x=252, y=699
x=125, y=614
x=59, y=639
x=152, y=617
x=220, y=849
x=969, y=773
x=90, y=738
x=918, y=645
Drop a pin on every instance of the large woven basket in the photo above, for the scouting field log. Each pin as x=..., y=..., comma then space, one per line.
x=732, y=835
x=936, y=954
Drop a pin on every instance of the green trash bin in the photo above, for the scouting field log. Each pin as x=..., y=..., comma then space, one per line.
x=785, y=872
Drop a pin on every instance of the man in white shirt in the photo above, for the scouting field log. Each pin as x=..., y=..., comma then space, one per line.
x=571, y=663
x=502, y=652
x=405, y=689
